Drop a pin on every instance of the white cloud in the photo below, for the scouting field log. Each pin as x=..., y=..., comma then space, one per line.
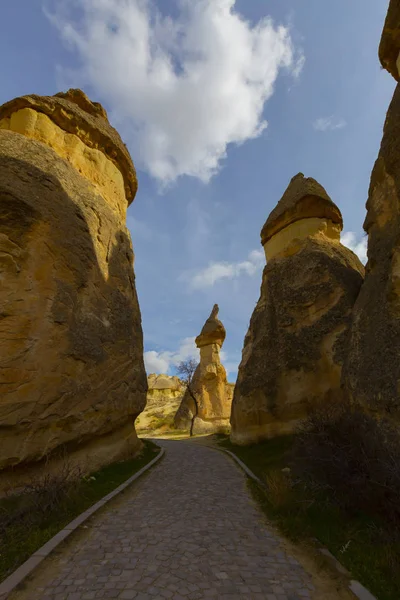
x=223, y=270
x=162, y=362
x=357, y=245
x=298, y=65
x=165, y=361
x=231, y=369
x=329, y=123
x=155, y=362
x=184, y=87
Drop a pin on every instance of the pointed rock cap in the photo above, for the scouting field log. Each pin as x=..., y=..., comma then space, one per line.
x=389, y=47
x=75, y=113
x=304, y=198
x=213, y=331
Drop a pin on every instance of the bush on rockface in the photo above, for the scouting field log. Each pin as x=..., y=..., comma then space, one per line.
x=355, y=457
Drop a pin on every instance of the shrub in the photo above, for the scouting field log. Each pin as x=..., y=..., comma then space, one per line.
x=353, y=455
x=40, y=497
x=280, y=490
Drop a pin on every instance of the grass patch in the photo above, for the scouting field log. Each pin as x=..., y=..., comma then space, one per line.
x=29, y=520
x=162, y=422
x=362, y=544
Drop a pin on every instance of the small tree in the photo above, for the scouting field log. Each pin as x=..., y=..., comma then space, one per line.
x=186, y=370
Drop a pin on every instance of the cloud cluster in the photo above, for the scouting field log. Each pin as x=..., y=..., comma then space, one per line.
x=165, y=361
x=162, y=362
x=184, y=87
x=216, y=271
x=329, y=123
x=357, y=245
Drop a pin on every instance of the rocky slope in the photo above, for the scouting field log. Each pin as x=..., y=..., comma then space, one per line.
x=163, y=399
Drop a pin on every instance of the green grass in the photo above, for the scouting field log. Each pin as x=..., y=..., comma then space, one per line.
x=303, y=515
x=160, y=422
x=24, y=537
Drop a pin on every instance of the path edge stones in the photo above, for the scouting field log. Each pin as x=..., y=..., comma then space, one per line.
x=355, y=587
x=16, y=578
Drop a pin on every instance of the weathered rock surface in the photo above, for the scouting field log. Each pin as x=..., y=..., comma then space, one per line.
x=165, y=384
x=213, y=331
x=304, y=199
x=372, y=370
x=210, y=385
x=71, y=351
x=389, y=48
x=294, y=348
x=163, y=399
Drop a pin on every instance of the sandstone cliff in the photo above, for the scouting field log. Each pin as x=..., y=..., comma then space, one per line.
x=372, y=371
x=294, y=348
x=71, y=350
x=389, y=48
x=210, y=385
x=163, y=399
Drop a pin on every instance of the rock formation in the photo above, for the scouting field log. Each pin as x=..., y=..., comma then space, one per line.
x=163, y=399
x=210, y=385
x=71, y=350
x=389, y=47
x=372, y=370
x=294, y=348
x=164, y=386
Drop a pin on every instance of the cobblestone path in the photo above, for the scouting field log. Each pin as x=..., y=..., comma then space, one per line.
x=188, y=531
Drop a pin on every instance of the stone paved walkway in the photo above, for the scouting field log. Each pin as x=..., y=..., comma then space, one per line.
x=188, y=531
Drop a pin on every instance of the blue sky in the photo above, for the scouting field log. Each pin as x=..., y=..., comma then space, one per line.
x=189, y=85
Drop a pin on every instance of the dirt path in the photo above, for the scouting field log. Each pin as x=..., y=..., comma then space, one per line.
x=188, y=531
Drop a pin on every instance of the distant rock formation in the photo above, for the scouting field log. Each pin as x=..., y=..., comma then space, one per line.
x=164, y=385
x=71, y=348
x=163, y=399
x=294, y=348
x=210, y=385
x=371, y=374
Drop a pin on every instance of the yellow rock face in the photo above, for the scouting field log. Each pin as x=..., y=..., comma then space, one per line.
x=286, y=241
x=163, y=399
x=75, y=114
x=210, y=385
x=303, y=199
x=213, y=331
x=371, y=373
x=71, y=364
x=90, y=162
x=294, y=349
x=389, y=46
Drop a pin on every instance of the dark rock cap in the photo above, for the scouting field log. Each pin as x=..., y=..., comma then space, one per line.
x=304, y=198
x=213, y=331
x=74, y=112
x=389, y=46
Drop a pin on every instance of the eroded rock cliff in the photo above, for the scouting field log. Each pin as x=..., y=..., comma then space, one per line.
x=71, y=350
x=294, y=348
x=372, y=371
x=389, y=47
x=210, y=386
